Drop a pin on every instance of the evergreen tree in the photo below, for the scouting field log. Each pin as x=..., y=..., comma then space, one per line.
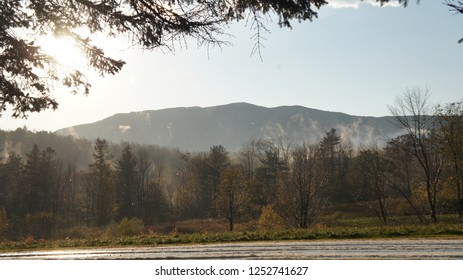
x=103, y=194
x=34, y=181
x=13, y=186
x=126, y=184
x=49, y=173
x=156, y=205
x=271, y=172
x=336, y=154
x=144, y=163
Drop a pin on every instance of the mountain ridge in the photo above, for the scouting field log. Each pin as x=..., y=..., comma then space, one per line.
x=231, y=125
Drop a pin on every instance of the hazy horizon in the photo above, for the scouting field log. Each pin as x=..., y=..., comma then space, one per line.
x=355, y=58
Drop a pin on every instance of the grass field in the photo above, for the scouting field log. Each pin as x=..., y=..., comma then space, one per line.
x=211, y=231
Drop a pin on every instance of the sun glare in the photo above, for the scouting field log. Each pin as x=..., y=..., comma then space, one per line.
x=64, y=50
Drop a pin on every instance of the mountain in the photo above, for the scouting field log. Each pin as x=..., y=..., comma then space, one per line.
x=197, y=129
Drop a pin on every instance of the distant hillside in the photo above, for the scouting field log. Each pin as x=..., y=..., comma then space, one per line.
x=197, y=129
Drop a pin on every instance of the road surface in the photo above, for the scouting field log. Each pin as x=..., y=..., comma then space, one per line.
x=330, y=249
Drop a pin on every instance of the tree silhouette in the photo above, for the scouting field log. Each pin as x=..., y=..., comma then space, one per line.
x=303, y=200
x=126, y=183
x=232, y=195
x=28, y=75
x=450, y=137
x=412, y=113
x=457, y=7
x=218, y=160
x=102, y=172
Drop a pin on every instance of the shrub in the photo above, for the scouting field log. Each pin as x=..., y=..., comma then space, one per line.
x=270, y=220
x=39, y=225
x=3, y=224
x=127, y=227
x=78, y=233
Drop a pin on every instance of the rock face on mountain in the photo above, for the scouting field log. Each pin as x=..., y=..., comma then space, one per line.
x=197, y=129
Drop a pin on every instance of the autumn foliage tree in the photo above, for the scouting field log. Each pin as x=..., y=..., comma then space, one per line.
x=264, y=186
x=450, y=139
x=232, y=200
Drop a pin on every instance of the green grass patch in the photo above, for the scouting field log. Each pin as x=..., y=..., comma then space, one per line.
x=316, y=233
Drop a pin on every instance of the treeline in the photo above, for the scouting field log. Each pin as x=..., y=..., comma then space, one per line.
x=274, y=183
x=40, y=192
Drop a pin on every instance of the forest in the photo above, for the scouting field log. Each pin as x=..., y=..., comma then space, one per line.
x=51, y=183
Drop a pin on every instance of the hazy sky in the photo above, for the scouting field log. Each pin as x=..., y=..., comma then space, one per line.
x=355, y=58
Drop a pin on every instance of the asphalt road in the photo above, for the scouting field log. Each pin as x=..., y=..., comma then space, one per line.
x=316, y=250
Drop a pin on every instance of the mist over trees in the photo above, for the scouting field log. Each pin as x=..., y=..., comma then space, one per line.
x=62, y=182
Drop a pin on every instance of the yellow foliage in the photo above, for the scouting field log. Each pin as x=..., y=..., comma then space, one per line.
x=126, y=227
x=270, y=220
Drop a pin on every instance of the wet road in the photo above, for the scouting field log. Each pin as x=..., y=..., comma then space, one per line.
x=332, y=249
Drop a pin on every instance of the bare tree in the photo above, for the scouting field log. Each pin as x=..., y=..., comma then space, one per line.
x=403, y=170
x=374, y=167
x=302, y=201
x=248, y=158
x=412, y=113
x=272, y=170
